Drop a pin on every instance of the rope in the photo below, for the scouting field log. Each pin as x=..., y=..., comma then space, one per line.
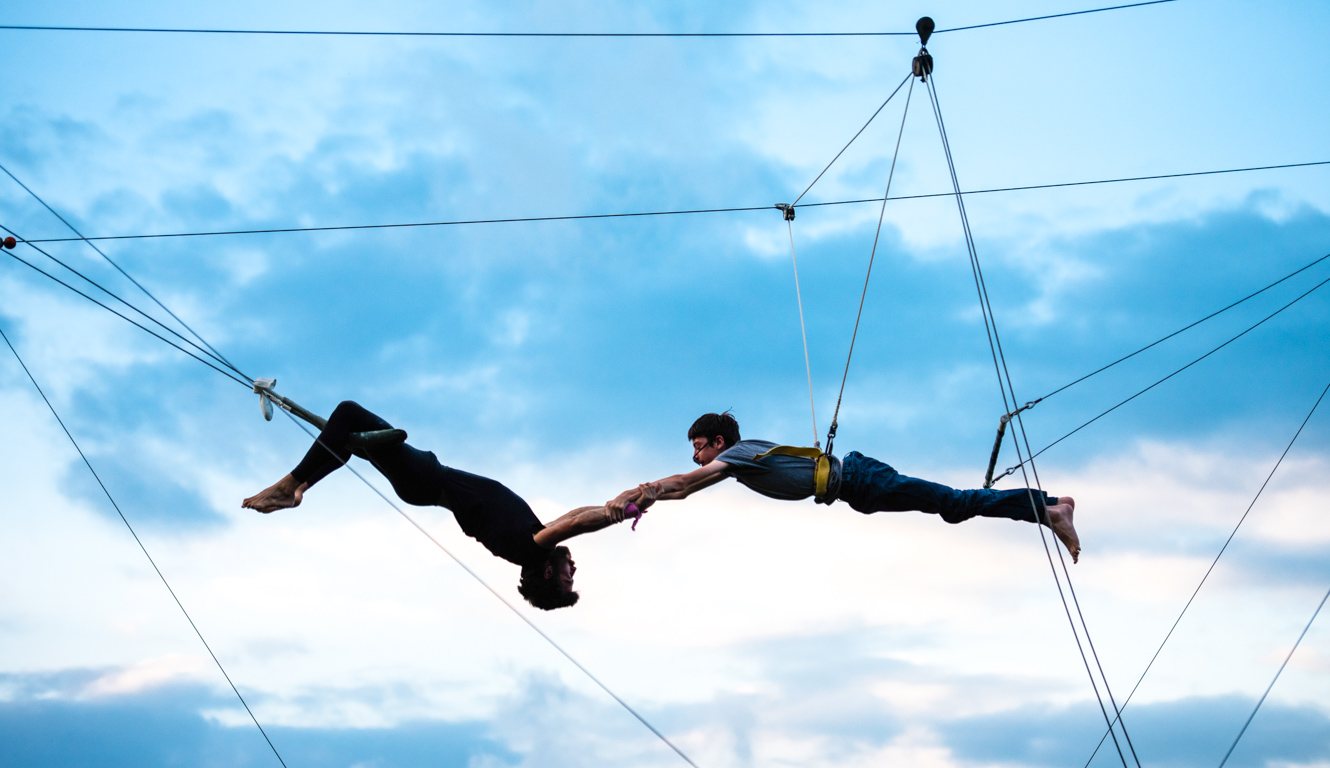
x=215, y=354
x=1276, y=679
x=139, y=541
x=1171, y=375
x=808, y=366
x=831, y=431
x=318, y=439
x=1215, y=562
x=345, y=33
x=578, y=217
x=1005, y=386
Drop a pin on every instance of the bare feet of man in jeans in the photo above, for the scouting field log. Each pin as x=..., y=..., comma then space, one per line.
x=1059, y=519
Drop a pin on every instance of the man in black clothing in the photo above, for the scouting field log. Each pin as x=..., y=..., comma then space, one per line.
x=486, y=510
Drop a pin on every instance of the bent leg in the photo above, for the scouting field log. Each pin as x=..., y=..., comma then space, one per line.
x=415, y=475
x=329, y=450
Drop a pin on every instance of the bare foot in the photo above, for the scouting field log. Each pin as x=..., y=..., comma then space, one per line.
x=1060, y=516
x=283, y=494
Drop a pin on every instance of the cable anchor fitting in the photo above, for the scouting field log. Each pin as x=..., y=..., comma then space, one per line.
x=787, y=209
x=997, y=443
x=922, y=66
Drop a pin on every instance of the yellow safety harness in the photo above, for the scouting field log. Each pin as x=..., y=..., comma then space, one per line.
x=822, y=475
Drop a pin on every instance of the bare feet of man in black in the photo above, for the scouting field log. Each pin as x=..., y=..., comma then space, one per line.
x=1059, y=516
x=283, y=494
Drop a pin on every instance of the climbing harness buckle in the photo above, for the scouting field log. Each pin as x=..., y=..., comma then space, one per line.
x=787, y=209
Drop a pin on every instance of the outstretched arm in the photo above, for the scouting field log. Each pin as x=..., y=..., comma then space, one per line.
x=675, y=487
x=587, y=519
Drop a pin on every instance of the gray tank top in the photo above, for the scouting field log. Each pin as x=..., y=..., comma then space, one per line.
x=781, y=477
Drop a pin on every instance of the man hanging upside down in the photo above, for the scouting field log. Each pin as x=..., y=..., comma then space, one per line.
x=486, y=510
x=865, y=484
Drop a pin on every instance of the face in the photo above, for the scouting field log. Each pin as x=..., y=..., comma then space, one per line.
x=563, y=573
x=705, y=452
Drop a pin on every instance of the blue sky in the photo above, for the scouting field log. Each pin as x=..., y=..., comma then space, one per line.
x=567, y=360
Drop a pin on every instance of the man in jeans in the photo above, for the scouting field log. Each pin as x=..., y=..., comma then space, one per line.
x=864, y=483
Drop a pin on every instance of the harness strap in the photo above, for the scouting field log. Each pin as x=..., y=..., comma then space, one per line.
x=822, y=475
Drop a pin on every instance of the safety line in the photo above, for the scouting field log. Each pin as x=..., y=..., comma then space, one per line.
x=1000, y=365
x=872, y=255
x=346, y=33
x=808, y=366
x=742, y=209
x=139, y=541
x=318, y=439
x=1215, y=562
x=126, y=318
x=852, y=138
x=1171, y=375
x=1276, y=679
x=217, y=355
x=1184, y=328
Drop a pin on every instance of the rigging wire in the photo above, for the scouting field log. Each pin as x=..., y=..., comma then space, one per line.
x=318, y=439
x=1216, y=313
x=1213, y=563
x=144, y=549
x=1249, y=329
x=852, y=138
x=353, y=33
x=1005, y=385
x=831, y=431
x=742, y=209
x=103, y=289
x=214, y=353
x=124, y=317
x=1276, y=679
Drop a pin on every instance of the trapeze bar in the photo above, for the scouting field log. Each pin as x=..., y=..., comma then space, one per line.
x=356, y=441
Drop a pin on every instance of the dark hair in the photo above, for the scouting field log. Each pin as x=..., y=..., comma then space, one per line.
x=714, y=425
x=542, y=592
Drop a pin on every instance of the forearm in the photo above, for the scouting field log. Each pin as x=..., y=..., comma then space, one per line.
x=574, y=523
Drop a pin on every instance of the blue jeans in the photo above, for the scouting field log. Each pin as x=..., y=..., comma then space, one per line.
x=870, y=486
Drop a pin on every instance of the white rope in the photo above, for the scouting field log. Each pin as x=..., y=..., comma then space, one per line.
x=808, y=367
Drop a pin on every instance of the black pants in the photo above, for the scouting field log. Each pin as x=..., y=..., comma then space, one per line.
x=416, y=475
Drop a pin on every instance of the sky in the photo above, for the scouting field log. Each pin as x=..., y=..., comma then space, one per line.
x=568, y=358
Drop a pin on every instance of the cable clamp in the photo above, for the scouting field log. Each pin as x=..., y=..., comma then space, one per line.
x=787, y=209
